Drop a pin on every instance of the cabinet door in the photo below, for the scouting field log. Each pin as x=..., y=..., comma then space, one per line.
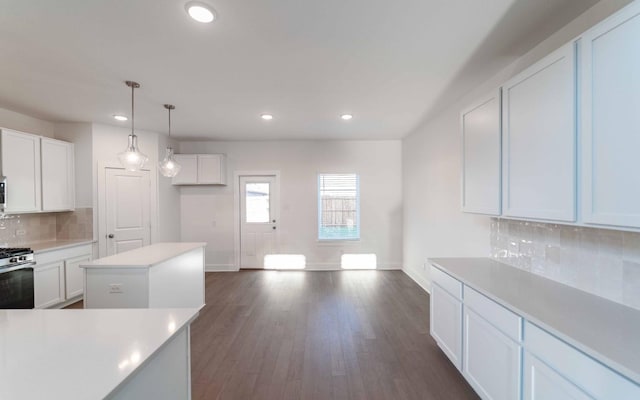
x=74, y=275
x=57, y=175
x=543, y=383
x=188, y=174
x=481, y=138
x=48, y=284
x=609, y=108
x=210, y=169
x=539, y=140
x=491, y=359
x=446, y=323
x=21, y=166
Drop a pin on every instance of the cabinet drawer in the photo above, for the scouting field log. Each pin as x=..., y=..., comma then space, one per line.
x=506, y=321
x=585, y=372
x=448, y=283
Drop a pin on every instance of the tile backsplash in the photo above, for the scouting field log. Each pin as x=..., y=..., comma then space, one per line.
x=599, y=261
x=21, y=229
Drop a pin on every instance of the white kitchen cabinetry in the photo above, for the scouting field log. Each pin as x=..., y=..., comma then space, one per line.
x=74, y=275
x=446, y=315
x=48, y=284
x=543, y=383
x=201, y=169
x=58, y=179
x=610, y=103
x=58, y=278
x=495, y=339
x=21, y=166
x=539, y=140
x=481, y=141
x=39, y=172
x=491, y=351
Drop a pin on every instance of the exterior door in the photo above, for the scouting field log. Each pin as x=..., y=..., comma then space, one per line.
x=258, y=210
x=127, y=210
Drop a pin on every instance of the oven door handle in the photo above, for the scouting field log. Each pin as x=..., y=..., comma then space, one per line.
x=17, y=267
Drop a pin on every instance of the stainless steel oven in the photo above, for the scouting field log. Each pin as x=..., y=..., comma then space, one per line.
x=16, y=278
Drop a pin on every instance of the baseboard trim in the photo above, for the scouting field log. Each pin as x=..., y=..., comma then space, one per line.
x=422, y=282
x=220, y=268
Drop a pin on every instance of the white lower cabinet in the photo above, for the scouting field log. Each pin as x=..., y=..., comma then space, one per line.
x=491, y=359
x=506, y=357
x=48, y=284
x=446, y=323
x=58, y=276
x=74, y=282
x=543, y=383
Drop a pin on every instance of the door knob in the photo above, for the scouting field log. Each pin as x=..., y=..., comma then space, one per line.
x=273, y=227
x=110, y=236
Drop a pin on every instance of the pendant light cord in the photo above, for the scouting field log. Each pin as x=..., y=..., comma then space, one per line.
x=169, y=123
x=132, y=114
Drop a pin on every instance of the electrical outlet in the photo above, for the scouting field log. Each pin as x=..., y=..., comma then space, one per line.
x=20, y=232
x=115, y=288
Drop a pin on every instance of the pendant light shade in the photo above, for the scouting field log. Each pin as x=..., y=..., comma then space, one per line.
x=132, y=159
x=169, y=167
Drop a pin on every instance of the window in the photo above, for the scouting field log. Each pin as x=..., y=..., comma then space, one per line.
x=257, y=202
x=338, y=207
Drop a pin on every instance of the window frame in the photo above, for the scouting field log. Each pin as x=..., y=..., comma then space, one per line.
x=319, y=215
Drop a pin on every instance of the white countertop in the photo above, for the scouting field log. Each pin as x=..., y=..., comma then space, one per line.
x=607, y=331
x=51, y=245
x=144, y=257
x=79, y=354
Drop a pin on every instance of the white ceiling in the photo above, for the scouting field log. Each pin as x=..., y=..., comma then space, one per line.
x=305, y=61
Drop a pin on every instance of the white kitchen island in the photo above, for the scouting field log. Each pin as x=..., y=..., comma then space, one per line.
x=163, y=275
x=95, y=354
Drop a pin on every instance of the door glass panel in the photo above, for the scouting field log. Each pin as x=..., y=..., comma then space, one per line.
x=257, y=202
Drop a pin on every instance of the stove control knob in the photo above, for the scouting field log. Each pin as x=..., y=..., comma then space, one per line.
x=22, y=258
x=12, y=260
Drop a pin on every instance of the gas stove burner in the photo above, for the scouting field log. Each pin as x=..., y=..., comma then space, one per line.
x=12, y=256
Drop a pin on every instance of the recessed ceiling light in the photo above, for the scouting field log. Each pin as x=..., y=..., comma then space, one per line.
x=200, y=12
x=120, y=117
x=267, y=117
x=346, y=117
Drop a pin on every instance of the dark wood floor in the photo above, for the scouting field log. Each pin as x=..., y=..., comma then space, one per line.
x=318, y=335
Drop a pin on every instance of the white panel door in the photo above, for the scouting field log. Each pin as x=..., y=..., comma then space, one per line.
x=57, y=175
x=445, y=319
x=21, y=166
x=539, y=140
x=127, y=210
x=189, y=170
x=481, y=140
x=491, y=359
x=258, y=218
x=74, y=275
x=610, y=109
x=543, y=383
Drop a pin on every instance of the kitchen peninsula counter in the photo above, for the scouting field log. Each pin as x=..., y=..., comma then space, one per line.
x=162, y=275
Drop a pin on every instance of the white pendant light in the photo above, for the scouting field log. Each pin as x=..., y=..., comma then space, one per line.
x=132, y=159
x=169, y=167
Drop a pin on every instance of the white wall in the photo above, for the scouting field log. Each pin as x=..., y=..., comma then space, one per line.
x=168, y=200
x=434, y=226
x=21, y=122
x=207, y=212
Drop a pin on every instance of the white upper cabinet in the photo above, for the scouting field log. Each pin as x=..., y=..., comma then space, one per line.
x=201, y=169
x=481, y=140
x=539, y=140
x=610, y=116
x=39, y=171
x=57, y=175
x=21, y=166
x=188, y=174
